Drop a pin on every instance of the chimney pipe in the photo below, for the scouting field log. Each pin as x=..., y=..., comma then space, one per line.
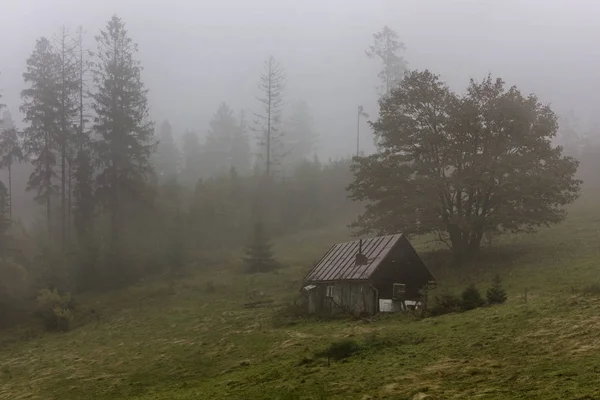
x=360, y=258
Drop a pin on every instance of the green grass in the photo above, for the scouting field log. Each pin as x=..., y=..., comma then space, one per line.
x=149, y=343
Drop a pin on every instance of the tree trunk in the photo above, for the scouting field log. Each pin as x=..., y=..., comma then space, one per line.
x=464, y=242
x=63, y=195
x=10, y=191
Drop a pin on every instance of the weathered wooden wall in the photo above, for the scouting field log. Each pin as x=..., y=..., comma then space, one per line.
x=352, y=298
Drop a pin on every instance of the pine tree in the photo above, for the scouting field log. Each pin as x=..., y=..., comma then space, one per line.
x=240, y=148
x=68, y=70
x=83, y=195
x=191, y=150
x=388, y=48
x=11, y=152
x=40, y=107
x=471, y=298
x=217, y=154
x=126, y=136
x=258, y=252
x=496, y=294
x=268, y=121
x=167, y=157
x=300, y=135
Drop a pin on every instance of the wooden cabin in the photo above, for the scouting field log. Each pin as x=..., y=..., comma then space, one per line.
x=368, y=276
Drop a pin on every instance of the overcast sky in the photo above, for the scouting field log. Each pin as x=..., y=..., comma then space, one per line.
x=199, y=53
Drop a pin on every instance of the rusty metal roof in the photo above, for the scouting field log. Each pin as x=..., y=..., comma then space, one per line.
x=339, y=264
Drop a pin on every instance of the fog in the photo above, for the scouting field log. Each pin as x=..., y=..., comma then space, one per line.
x=197, y=54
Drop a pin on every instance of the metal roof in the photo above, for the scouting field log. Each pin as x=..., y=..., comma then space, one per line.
x=339, y=264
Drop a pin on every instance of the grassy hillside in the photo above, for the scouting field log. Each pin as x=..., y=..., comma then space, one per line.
x=200, y=342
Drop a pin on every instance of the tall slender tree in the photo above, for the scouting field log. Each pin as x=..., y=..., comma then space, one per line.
x=191, y=152
x=68, y=92
x=388, y=48
x=41, y=103
x=240, y=146
x=11, y=152
x=5, y=220
x=300, y=134
x=126, y=136
x=268, y=120
x=219, y=141
x=82, y=170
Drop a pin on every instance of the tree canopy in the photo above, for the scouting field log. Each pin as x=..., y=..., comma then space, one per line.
x=463, y=165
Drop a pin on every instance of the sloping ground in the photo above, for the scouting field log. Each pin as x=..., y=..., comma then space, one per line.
x=204, y=344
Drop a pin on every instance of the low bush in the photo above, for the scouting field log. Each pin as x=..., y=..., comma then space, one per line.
x=471, y=298
x=340, y=350
x=291, y=312
x=55, y=310
x=496, y=294
x=445, y=304
x=593, y=289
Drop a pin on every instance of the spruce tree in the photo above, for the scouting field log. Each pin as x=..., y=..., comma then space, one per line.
x=83, y=195
x=40, y=107
x=300, y=134
x=125, y=133
x=240, y=148
x=191, y=152
x=471, y=298
x=219, y=142
x=496, y=294
x=258, y=253
x=167, y=157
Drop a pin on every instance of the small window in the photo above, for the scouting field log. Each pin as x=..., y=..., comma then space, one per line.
x=399, y=290
x=329, y=292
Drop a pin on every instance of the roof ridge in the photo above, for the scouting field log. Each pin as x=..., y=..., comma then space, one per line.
x=338, y=263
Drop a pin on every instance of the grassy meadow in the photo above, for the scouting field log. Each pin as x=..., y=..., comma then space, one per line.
x=196, y=340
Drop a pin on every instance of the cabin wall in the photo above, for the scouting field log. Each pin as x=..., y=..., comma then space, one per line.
x=348, y=298
x=401, y=266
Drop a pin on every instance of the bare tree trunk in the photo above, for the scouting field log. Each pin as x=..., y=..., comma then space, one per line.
x=10, y=191
x=270, y=101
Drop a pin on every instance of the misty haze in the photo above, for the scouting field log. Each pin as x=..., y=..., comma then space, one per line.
x=393, y=199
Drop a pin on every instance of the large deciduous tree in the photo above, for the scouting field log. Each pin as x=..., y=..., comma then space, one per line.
x=126, y=135
x=462, y=166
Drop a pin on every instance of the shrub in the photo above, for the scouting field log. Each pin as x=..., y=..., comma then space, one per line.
x=14, y=289
x=55, y=310
x=594, y=288
x=210, y=287
x=291, y=312
x=340, y=350
x=496, y=294
x=471, y=298
x=445, y=304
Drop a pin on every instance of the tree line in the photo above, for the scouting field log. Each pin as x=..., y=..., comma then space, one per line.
x=122, y=199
